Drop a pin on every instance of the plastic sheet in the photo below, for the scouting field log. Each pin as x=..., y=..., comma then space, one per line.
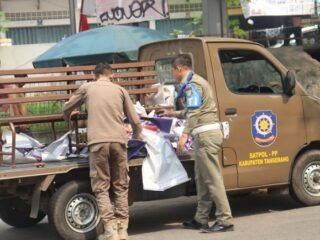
x=24, y=144
x=57, y=150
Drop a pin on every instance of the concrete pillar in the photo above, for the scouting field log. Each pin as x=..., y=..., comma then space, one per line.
x=215, y=18
x=72, y=14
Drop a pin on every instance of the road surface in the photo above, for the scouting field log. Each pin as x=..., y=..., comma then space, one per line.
x=258, y=216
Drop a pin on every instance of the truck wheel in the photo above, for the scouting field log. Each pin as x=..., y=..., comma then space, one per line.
x=74, y=212
x=305, y=184
x=15, y=212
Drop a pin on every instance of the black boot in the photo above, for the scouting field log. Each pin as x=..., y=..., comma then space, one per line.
x=193, y=224
x=218, y=227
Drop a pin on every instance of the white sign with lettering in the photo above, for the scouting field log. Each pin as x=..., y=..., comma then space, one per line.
x=129, y=11
x=255, y=8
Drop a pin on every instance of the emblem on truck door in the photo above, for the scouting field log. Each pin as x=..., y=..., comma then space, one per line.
x=264, y=128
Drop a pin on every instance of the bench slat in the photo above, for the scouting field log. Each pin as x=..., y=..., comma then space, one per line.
x=74, y=69
x=60, y=97
x=37, y=119
x=137, y=82
x=46, y=79
x=68, y=78
x=142, y=91
x=35, y=99
x=70, y=87
x=135, y=74
x=31, y=119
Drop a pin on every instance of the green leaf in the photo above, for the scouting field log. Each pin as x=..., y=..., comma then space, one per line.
x=3, y=20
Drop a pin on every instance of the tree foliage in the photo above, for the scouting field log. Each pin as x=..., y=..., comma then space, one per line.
x=3, y=20
x=197, y=24
x=234, y=25
x=233, y=3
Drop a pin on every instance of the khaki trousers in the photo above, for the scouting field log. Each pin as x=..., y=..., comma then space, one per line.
x=109, y=170
x=209, y=179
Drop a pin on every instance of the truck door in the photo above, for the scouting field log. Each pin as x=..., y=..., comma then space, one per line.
x=266, y=126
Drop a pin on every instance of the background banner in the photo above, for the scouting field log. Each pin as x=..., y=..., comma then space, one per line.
x=129, y=11
x=254, y=8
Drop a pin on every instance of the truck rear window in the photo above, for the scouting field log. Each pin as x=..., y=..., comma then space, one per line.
x=164, y=70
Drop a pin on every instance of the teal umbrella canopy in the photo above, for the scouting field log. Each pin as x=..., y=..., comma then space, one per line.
x=111, y=44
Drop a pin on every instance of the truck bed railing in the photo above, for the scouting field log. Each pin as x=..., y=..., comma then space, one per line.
x=29, y=86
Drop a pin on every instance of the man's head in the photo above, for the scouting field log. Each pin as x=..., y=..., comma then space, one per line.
x=181, y=65
x=103, y=70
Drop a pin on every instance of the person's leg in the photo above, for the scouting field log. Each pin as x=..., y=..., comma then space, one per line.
x=208, y=151
x=204, y=199
x=120, y=184
x=100, y=183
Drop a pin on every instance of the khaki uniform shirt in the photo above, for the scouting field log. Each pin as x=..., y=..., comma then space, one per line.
x=107, y=103
x=207, y=113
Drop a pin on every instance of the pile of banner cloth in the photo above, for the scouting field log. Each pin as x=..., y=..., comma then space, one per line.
x=161, y=167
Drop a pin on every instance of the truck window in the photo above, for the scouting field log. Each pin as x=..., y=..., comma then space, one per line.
x=249, y=72
x=164, y=71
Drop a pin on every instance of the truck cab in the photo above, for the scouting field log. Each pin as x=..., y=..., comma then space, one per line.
x=274, y=124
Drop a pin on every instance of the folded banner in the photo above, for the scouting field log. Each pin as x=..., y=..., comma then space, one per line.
x=129, y=11
x=162, y=168
x=164, y=124
x=255, y=8
x=134, y=147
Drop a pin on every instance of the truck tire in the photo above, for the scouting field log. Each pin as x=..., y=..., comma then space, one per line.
x=74, y=212
x=305, y=182
x=15, y=213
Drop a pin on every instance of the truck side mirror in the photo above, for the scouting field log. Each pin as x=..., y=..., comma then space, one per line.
x=289, y=83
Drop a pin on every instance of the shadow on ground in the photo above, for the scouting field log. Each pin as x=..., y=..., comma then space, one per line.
x=165, y=215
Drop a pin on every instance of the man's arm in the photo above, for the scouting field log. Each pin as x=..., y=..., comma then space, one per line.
x=131, y=114
x=17, y=109
x=75, y=100
x=180, y=114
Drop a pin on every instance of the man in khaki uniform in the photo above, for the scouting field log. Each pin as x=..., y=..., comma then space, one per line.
x=20, y=110
x=202, y=123
x=16, y=110
x=107, y=103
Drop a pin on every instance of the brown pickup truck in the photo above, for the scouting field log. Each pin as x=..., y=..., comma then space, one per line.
x=274, y=137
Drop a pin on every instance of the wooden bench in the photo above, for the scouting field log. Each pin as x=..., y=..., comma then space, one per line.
x=60, y=83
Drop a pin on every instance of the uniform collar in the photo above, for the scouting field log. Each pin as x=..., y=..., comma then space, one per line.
x=102, y=79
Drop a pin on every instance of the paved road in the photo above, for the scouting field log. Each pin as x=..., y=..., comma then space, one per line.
x=258, y=217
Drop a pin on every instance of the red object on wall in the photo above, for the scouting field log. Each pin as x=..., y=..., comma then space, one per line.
x=83, y=26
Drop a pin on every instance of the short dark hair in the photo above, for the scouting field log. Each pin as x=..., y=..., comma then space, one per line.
x=183, y=60
x=102, y=69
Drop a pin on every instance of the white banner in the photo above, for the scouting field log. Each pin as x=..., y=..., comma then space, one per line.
x=254, y=8
x=89, y=7
x=129, y=11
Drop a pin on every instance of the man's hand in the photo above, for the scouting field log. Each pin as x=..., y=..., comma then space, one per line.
x=24, y=127
x=74, y=113
x=139, y=136
x=69, y=120
x=181, y=143
x=165, y=112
